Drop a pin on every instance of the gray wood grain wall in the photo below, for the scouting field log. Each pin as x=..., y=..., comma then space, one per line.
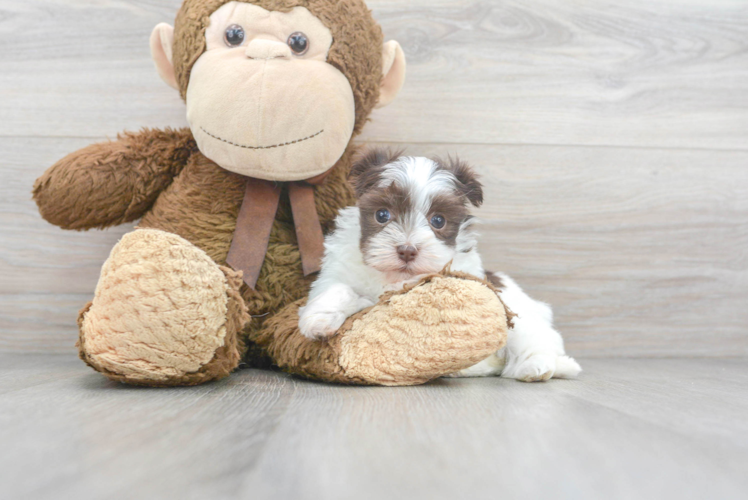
x=612, y=137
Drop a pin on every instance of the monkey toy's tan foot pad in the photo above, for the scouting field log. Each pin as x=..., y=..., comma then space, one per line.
x=443, y=324
x=164, y=314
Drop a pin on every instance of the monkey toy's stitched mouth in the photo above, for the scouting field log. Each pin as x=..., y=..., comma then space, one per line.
x=262, y=147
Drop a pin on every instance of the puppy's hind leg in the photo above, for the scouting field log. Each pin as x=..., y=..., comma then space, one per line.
x=534, y=350
x=324, y=314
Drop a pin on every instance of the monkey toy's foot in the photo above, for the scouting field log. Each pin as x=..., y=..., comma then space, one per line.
x=443, y=324
x=164, y=314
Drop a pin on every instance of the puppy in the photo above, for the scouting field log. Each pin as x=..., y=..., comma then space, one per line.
x=412, y=219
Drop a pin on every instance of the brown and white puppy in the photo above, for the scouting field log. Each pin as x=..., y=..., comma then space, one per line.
x=413, y=219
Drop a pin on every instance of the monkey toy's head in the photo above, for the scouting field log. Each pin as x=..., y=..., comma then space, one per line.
x=276, y=89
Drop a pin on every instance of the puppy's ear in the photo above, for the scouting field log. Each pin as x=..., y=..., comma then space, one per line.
x=368, y=167
x=467, y=180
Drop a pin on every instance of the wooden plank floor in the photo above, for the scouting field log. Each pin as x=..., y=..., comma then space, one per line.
x=628, y=429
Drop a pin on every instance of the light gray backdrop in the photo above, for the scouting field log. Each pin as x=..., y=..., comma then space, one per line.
x=612, y=138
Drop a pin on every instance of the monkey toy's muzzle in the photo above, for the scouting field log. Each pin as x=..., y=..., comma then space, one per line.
x=296, y=128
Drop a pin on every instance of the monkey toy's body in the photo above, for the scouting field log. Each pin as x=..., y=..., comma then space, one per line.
x=172, y=307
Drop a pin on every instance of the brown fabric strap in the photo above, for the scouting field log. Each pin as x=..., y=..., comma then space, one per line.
x=252, y=235
x=308, y=228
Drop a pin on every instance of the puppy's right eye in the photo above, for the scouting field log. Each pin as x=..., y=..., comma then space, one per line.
x=383, y=216
x=234, y=35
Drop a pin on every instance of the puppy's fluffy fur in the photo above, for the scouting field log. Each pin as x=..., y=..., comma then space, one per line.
x=412, y=219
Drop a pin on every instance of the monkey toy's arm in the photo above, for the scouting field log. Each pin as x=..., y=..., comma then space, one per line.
x=112, y=182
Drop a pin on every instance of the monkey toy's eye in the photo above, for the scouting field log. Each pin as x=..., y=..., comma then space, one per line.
x=299, y=43
x=234, y=35
x=383, y=216
x=438, y=221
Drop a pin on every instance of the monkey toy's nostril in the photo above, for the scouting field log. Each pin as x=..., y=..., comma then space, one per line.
x=407, y=252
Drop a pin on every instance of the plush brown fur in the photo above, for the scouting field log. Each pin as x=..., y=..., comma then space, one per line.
x=114, y=182
x=208, y=221
x=161, y=177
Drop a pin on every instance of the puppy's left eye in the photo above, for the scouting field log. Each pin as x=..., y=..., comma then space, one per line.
x=438, y=221
x=383, y=216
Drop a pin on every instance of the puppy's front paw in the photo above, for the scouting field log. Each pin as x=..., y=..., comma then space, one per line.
x=536, y=368
x=321, y=325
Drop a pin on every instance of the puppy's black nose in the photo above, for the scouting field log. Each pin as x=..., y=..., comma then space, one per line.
x=407, y=252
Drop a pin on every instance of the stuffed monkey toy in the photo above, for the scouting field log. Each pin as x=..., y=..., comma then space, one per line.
x=233, y=209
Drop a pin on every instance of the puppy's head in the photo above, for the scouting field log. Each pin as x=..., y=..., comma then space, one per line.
x=414, y=211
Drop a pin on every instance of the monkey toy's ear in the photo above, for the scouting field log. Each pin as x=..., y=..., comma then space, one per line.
x=162, y=41
x=393, y=69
